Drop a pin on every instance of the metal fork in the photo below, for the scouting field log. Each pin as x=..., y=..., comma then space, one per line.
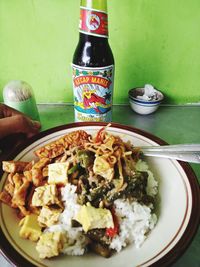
x=183, y=152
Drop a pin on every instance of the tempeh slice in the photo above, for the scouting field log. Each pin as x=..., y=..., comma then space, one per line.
x=58, y=147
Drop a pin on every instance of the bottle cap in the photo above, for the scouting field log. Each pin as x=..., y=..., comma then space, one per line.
x=19, y=95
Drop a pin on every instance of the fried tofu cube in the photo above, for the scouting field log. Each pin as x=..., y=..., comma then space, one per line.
x=50, y=244
x=14, y=166
x=37, y=171
x=57, y=173
x=20, y=193
x=30, y=228
x=48, y=216
x=103, y=168
x=45, y=195
x=94, y=218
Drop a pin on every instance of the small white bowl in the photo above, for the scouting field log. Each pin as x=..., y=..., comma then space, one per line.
x=144, y=107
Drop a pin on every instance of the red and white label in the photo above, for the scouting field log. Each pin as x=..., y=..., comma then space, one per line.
x=93, y=22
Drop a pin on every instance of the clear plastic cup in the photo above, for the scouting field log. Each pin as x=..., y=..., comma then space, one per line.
x=19, y=95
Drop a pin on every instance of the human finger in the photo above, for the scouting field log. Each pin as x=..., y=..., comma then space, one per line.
x=18, y=124
x=6, y=111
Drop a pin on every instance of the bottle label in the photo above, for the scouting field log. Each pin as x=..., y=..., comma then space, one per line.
x=93, y=22
x=93, y=91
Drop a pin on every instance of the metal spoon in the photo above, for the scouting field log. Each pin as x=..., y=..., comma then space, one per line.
x=183, y=152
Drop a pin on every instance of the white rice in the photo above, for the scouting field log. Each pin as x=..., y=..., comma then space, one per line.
x=135, y=220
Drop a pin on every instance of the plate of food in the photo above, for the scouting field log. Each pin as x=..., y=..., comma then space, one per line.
x=83, y=194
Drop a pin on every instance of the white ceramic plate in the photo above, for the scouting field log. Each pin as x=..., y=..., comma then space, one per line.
x=179, y=199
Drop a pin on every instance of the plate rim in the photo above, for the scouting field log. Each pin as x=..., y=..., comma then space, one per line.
x=13, y=257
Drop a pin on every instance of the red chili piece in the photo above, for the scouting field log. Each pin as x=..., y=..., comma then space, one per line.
x=111, y=232
x=99, y=137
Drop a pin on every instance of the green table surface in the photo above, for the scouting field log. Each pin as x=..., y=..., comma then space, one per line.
x=174, y=124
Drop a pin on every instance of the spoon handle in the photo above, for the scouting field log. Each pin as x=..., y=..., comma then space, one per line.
x=185, y=152
x=174, y=148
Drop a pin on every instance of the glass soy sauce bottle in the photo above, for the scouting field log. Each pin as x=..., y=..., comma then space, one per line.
x=93, y=65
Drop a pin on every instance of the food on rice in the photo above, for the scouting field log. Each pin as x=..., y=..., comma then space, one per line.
x=94, y=218
x=84, y=192
x=30, y=228
x=48, y=216
x=50, y=244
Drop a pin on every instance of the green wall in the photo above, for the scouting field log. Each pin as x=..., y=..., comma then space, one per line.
x=153, y=41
